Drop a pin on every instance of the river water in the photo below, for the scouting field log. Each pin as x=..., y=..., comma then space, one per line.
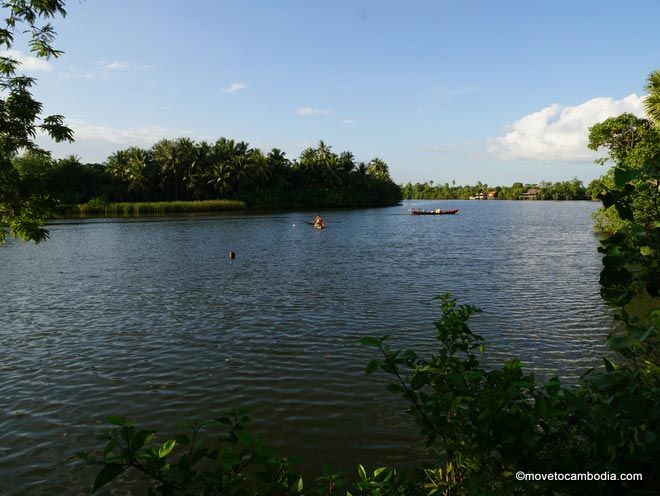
x=151, y=319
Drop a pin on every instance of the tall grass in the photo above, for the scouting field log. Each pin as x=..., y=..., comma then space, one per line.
x=132, y=209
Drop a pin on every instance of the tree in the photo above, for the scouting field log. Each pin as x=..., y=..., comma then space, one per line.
x=175, y=159
x=652, y=102
x=22, y=207
x=378, y=168
x=139, y=171
x=260, y=169
x=632, y=143
x=627, y=138
x=280, y=167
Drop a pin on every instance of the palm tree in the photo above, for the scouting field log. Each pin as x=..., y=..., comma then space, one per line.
x=224, y=149
x=138, y=170
x=378, y=168
x=323, y=150
x=219, y=177
x=360, y=175
x=199, y=170
x=347, y=164
x=187, y=156
x=116, y=165
x=261, y=171
x=241, y=165
x=165, y=156
x=175, y=160
x=652, y=101
x=280, y=167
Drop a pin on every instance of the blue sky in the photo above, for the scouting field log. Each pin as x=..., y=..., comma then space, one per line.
x=464, y=91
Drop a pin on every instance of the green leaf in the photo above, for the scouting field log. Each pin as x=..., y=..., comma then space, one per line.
x=140, y=439
x=372, y=366
x=609, y=364
x=624, y=175
x=419, y=380
x=244, y=437
x=553, y=386
x=542, y=406
x=116, y=420
x=362, y=473
x=379, y=471
x=619, y=343
x=299, y=485
x=624, y=211
x=370, y=341
x=395, y=388
x=166, y=448
x=207, y=423
x=107, y=474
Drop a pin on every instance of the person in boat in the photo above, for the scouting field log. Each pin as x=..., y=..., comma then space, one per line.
x=318, y=222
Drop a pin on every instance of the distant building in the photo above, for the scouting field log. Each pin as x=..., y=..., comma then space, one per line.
x=531, y=194
x=492, y=195
x=480, y=196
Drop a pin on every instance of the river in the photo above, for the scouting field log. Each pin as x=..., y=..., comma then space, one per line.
x=151, y=319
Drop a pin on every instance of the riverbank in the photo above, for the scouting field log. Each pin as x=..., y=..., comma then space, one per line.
x=131, y=209
x=307, y=199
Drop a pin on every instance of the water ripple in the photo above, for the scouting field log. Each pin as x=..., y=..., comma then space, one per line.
x=151, y=319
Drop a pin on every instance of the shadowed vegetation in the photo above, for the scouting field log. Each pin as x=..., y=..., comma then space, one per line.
x=181, y=175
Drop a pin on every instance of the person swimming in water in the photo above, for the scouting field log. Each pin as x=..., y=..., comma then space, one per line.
x=318, y=222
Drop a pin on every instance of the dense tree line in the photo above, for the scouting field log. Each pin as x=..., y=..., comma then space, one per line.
x=181, y=169
x=561, y=190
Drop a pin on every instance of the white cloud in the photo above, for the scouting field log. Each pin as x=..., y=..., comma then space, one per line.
x=234, y=88
x=313, y=111
x=28, y=62
x=349, y=121
x=76, y=73
x=94, y=143
x=117, y=65
x=560, y=132
x=145, y=135
x=123, y=65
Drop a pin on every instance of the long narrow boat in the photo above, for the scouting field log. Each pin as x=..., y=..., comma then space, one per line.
x=437, y=211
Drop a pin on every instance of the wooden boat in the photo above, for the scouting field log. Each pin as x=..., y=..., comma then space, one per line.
x=437, y=211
